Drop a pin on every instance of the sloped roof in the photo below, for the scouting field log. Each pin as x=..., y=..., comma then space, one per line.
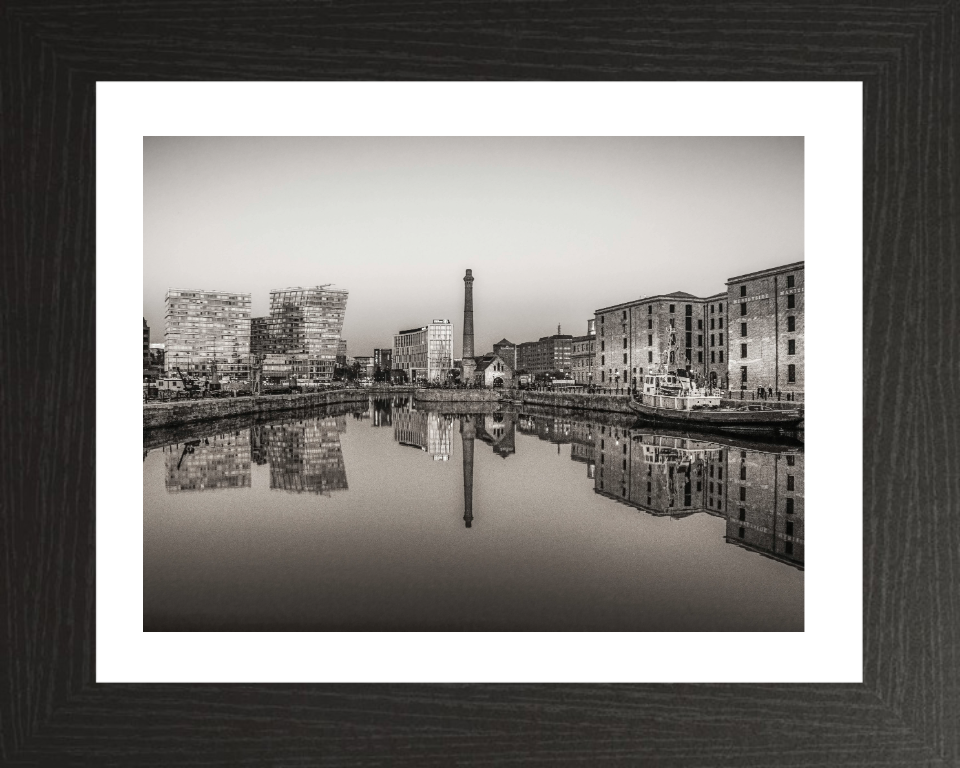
x=484, y=361
x=681, y=295
x=504, y=342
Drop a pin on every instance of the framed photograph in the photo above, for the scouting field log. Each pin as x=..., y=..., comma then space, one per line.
x=291, y=591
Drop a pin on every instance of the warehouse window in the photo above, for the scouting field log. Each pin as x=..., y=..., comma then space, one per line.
x=792, y=301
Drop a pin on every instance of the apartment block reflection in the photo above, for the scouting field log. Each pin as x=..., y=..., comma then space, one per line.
x=765, y=503
x=209, y=464
x=304, y=456
x=430, y=432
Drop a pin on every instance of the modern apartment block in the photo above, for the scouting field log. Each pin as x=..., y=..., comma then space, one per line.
x=765, y=318
x=547, y=354
x=301, y=335
x=204, y=329
x=426, y=353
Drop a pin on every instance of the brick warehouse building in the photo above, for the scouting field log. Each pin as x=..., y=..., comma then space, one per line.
x=765, y=316
x=750, y=335
x=635, y=337
x=548, y=354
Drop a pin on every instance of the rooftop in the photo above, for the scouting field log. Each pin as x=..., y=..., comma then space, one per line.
x=767, y=272
x=676, y=295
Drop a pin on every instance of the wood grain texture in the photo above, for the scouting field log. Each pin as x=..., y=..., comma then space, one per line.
x=905, y=714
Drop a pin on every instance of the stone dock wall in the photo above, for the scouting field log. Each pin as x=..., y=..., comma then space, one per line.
x=458, y=395
x=190, y=411
x=580, y=401
x=157, y=437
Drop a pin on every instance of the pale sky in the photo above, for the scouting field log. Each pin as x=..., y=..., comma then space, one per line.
x=553, y=228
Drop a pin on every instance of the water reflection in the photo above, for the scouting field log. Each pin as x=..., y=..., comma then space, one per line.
x=304, y=456
x=467, y=436
x=627, y=529
x=428, y=431
x=757, y=489
x=209, y=463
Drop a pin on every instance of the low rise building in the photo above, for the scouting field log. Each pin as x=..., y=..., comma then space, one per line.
x=492, y=371
x=425, y=353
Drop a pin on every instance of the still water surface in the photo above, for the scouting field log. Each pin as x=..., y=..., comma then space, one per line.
x=388, y=517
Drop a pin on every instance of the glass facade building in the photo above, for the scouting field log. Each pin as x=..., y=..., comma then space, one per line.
x=207, y=328
x=301, y=335
x=425, y=354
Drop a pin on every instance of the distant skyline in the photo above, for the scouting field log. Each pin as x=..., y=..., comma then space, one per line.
x=553, y=228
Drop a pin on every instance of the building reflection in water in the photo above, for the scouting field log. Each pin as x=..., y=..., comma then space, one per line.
x=210, y=463
x=428, y=431
x=499, y=431
x=758, y=492
x=468, y=433
x=304, y=456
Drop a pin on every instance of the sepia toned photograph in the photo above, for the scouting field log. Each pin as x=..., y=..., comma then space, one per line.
x=517, y=384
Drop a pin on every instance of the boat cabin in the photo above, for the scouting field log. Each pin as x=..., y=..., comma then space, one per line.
x=675, y=391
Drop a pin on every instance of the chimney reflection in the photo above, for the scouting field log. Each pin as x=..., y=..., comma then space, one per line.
x=467, y=436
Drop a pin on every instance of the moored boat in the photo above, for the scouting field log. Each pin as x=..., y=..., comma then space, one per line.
x=676, y=399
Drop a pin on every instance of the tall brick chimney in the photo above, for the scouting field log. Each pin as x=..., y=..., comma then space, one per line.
x=469, y=366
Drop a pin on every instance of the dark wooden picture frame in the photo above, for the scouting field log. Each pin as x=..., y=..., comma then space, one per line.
x=906, y=712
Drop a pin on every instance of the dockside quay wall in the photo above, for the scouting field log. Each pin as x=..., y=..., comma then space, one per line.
x=580, y=401
x=188, y=411
x=457, y=395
